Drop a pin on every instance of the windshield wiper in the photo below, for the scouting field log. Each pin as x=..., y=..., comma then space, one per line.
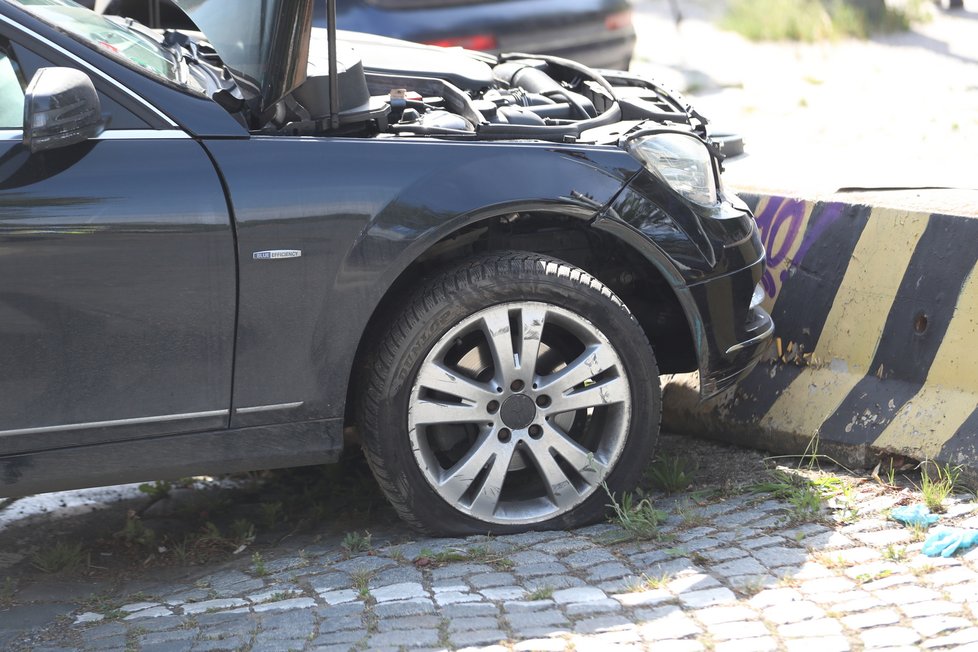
x=221, y=87
x=181, y=46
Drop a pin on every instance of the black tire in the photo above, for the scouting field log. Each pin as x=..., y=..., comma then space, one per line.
x=496, y=282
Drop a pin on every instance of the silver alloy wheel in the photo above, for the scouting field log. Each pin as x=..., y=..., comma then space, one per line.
x=519, y=412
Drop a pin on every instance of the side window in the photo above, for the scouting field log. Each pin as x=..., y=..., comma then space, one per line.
x=11, y=94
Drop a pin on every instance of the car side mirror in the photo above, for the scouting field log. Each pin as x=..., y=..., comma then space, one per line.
x=61, y=108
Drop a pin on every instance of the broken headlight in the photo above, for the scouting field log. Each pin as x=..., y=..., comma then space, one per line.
x=682, y=161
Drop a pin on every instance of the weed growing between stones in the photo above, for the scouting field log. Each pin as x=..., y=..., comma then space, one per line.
x=134, y=532
x=651, y=582
x=480, y=554
x=354, y=542
x=937, y=483
x=918, y=532
x=258, y=565
x=61, y=557
x=542, y=593
x=803, y=495
x=361, y=582
x=689, y=517
x=636, y=516
x=670, y=474
x=104, y=605
x=132, y=638
x=864, y=578
x=836, y=561
x=894, y=553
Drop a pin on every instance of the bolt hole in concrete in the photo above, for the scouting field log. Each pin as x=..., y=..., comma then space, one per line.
x=920, y=323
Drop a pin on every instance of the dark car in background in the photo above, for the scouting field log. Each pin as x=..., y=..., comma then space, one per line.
x=597, y=33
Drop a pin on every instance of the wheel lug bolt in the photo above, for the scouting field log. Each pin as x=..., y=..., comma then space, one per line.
x=492, y=407
x=543, y=401
x=517, y=386
x=536, y=431
x=504, y=435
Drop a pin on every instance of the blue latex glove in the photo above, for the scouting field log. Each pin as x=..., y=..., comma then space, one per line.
x=917, y=515
x=946, y=541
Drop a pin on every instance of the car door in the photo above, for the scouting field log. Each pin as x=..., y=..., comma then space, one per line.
x=117, y=277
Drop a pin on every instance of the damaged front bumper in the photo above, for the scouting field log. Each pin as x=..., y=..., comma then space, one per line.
x=713, y=259
x=735, y=333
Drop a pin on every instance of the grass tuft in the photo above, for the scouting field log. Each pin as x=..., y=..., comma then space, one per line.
x=638, y=517
x=818, y=20
x=937, y=483
x=806, y=497
x=356, y=542
x=361, y=582
x=61, y=557
x=258, y=567
x=670, y=474
x=649, y=582
x=542, y=593
x=478, y=554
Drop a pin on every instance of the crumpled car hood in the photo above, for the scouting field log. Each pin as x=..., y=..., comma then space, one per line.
x=265, y=43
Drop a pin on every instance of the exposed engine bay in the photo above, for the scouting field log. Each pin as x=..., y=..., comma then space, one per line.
x=361, y=85
x=388, y=88
x=516, y=97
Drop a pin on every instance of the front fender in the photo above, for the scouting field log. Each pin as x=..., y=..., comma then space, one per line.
x=480, y=181
x=361, y=211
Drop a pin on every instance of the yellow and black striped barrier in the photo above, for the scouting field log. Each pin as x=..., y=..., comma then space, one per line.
x=876, y=349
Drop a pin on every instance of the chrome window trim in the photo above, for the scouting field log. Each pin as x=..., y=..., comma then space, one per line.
x=54, y=46
x=115, y=422
x=115, y=134
x=267, y=408
x=143, y=134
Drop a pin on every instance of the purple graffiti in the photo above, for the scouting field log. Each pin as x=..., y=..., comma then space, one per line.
x=781, y=224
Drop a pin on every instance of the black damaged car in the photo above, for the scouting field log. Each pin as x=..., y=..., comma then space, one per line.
x=243, y=246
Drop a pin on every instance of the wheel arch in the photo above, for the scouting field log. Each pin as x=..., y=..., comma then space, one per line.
x=638, y=272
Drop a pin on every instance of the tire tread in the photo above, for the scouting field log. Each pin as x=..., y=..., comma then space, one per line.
x=432, y=294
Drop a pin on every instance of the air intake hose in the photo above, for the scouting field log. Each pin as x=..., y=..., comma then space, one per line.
x=520, y=75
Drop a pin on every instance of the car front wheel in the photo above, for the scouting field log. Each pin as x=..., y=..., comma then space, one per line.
x=509, y=391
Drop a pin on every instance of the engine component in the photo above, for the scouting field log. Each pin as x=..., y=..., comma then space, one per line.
x=531, y=78
x=516, y=115
x=356, y=103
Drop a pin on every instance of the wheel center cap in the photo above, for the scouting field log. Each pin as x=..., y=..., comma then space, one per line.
x=518, y=411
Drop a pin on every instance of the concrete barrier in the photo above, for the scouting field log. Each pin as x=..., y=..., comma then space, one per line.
x=876, y=348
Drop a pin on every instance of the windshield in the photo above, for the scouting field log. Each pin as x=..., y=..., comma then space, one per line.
x=98, y=32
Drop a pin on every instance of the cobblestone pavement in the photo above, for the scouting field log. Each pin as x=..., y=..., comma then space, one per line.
x=729, y=569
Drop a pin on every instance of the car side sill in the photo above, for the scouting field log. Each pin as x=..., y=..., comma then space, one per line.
x=172, y=457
